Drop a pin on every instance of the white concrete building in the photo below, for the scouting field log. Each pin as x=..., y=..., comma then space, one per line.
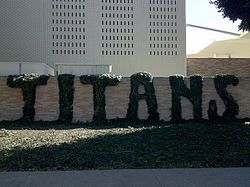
x=18, y=68
x=128, y=35
x=232, y=48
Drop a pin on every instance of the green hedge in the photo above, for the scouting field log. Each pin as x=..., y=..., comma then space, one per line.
x=28, y=84
x=212, y=111
x=66, y=97
x=232, y=108
x=100, y=82
x=146, y=80
x=194, y=95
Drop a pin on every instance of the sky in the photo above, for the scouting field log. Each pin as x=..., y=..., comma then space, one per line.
x=200, y=12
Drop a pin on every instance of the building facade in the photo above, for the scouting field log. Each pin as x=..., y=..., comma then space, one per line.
x=231, y=48
x=129, y=35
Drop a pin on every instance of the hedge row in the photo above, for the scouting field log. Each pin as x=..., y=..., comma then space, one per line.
x=29, y=82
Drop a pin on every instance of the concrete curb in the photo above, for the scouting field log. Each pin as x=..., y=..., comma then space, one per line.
x=231, y=177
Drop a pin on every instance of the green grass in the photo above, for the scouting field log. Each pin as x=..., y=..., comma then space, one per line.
x=145, y=145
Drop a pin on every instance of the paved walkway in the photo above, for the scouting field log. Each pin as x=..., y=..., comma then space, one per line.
x=234, y=177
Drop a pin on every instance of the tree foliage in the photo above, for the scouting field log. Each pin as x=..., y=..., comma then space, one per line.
x=234, y=10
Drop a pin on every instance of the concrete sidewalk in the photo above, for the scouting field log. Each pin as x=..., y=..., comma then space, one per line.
x=233, y=177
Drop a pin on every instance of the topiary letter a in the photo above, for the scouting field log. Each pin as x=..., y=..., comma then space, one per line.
x=145, y=79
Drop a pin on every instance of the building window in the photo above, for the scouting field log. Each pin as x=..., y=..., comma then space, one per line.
x=68, y=26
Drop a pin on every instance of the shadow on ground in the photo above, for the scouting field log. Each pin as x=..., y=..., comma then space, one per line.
x=188, y=145
x=114, y=123
x=58, y=125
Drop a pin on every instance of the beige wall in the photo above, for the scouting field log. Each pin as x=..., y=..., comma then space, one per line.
x=212, y=66
x=117, y=98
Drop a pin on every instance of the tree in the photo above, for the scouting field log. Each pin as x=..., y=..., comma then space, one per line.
x=234, y=10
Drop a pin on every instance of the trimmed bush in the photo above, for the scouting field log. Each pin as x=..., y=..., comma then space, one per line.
x=100, y=82
x=66, y=97
x=28, y=84
x=212, y=111
x=146, y=80
x=232, y=108
x=194, y=95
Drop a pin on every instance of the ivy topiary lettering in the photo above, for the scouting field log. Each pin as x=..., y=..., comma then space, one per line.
x=232, y=108
x=212, y=111
x=100, y=82
x=28, y=84
x=146, y=80
x=66, y=97
x=194, y=95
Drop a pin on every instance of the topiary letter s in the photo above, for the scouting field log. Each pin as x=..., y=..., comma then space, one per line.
x=100, y=82
x=28, y=84
x=145, y=79
x=232, y=108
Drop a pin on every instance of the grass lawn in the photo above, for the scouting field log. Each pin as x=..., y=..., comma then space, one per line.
x=163, y=145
